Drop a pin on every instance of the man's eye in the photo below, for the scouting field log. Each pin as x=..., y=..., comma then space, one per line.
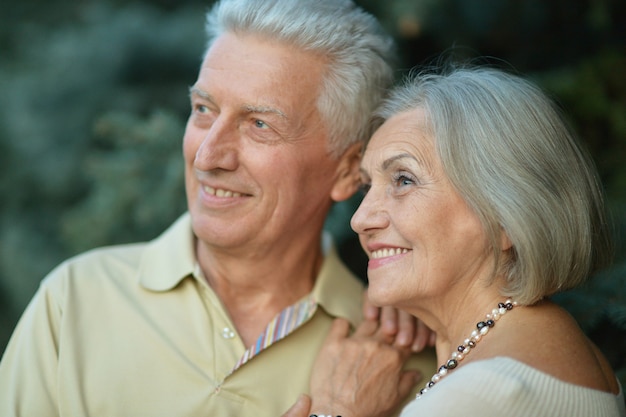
x=201, y=108
x=260, y=124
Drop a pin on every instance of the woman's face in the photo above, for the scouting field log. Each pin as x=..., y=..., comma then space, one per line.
x=422, y=239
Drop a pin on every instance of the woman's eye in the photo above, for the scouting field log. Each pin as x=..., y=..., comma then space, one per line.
x=402, y=179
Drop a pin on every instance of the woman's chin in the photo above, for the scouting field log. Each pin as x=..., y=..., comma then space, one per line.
x=380, y=298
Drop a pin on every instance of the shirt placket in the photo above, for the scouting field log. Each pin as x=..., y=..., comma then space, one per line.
x=285, y=323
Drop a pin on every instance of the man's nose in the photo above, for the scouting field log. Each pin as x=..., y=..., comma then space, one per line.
x=219, y=148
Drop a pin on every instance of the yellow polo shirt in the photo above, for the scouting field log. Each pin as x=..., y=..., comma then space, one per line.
x=134, y=330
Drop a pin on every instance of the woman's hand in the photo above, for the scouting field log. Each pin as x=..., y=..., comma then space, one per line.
x=398, y=327
x=359, y=375
x=300, y=408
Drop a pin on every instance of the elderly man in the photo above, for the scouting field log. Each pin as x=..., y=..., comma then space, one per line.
x=224, y=313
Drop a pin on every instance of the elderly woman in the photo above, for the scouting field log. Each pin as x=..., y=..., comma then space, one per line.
x=480, y=204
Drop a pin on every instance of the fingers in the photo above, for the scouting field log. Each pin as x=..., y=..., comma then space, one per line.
x=389, y=321
x=340, y=329
x=407, y=382
x=432, y=339
x=301, y=408
x=367, y=328
x=422, y=337
x=370, y=311
x=358, y=374
x=396, y=327
x=407, y=329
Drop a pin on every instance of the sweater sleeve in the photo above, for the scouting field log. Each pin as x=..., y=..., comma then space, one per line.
x=470, y=392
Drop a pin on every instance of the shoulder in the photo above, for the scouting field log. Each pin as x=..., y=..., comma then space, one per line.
x=94, y=266
x=539, y=332
x=168, y=254
x=503, y=385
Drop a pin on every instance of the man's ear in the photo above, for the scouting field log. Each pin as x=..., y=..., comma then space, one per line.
x=347, y=176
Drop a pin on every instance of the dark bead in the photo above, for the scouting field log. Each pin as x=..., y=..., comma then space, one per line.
x=481, y=324
x=461, y=348
x=452, y=363
x=501, y=305
x=471, y=343
x=490, y=323
x=509, y=306
x=431, y=384
x=422, y=390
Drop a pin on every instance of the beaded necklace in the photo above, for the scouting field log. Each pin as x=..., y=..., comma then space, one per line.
x=482, y=327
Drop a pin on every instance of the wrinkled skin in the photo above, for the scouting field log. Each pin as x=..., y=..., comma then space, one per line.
x=355, y=387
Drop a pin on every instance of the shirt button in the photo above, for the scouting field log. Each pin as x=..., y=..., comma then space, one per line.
x=227, y=333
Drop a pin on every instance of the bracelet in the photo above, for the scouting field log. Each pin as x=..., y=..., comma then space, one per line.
x=322, y=415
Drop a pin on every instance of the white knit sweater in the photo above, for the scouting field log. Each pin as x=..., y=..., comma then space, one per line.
x=506, y=387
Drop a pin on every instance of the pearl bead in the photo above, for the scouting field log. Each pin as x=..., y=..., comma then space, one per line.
x=482, y=327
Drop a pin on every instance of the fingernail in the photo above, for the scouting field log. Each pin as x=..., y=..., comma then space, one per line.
x=371, y=313
x=416, y=347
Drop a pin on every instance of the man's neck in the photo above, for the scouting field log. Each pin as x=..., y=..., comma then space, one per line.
x=254, y=291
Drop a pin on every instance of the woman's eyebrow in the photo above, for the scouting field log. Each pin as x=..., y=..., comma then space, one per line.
x=389, y=161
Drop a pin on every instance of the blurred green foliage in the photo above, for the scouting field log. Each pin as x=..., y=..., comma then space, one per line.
x=94, y=101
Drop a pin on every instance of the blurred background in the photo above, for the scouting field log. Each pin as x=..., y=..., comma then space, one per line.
x=94, y=98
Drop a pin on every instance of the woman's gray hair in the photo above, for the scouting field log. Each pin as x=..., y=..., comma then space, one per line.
x=510, y=154
x=358, y=51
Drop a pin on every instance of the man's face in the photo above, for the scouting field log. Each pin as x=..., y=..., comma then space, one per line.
x=257, y=167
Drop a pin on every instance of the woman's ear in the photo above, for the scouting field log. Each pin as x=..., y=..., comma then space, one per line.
x=505, y=241
x=347, y=176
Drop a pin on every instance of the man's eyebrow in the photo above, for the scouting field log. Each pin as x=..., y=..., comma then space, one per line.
x=248, y=108
x=195, y=90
